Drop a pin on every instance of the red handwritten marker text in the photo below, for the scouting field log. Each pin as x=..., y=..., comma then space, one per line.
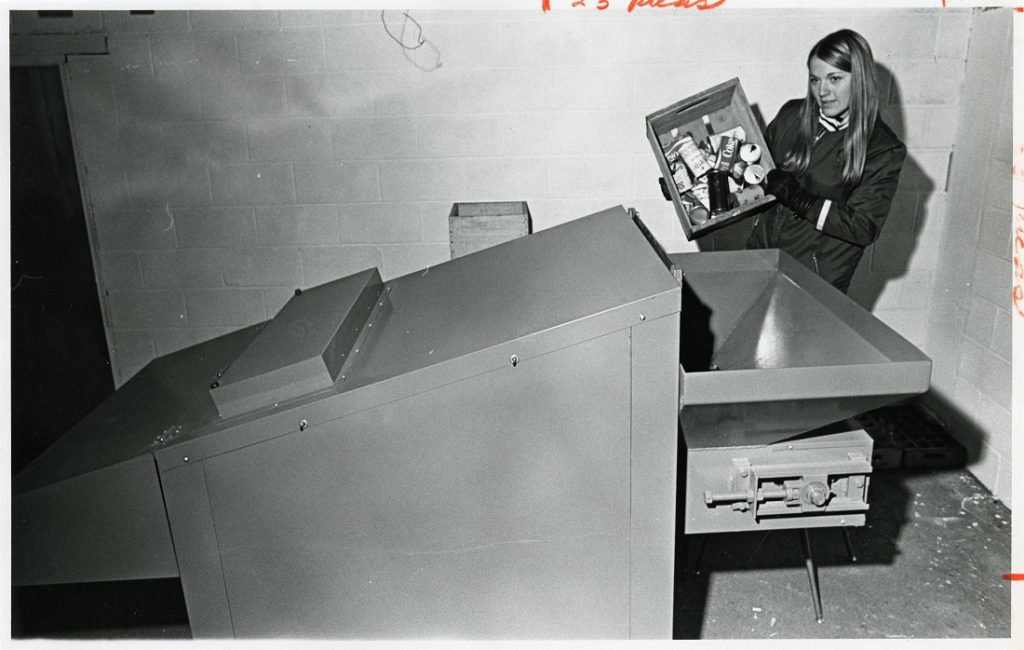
x=1018, y=260
x=700, y=5
x=601, y=5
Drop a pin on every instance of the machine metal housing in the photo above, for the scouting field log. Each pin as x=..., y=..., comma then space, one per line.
x=493, y=454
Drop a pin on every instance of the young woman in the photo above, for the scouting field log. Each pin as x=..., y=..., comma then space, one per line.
x=838, y=164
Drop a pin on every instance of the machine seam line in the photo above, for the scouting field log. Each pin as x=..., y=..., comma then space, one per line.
x=632, y=352
x=220, y=557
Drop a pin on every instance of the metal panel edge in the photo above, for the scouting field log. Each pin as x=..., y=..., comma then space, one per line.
x=337, y=352
x=195, y=544
x=291, y=381
x=653, y=450
x=796, y=383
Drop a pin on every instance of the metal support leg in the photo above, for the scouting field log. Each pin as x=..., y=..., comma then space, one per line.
x=700, y=555
x=849, y=544
x=812, y=573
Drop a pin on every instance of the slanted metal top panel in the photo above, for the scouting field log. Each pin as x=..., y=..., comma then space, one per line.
x=528, y=285
x=559, y=276
x=464, y=317
x=166, y=399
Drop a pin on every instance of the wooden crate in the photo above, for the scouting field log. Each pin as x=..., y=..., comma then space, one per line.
x=475, y=226
x=726, y=107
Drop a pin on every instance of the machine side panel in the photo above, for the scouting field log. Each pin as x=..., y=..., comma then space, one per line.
x=495, y=506
x=654, y=429
x=108, y=524
x=195, y=542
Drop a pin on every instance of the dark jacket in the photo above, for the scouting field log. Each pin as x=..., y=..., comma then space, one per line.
x=850, y=218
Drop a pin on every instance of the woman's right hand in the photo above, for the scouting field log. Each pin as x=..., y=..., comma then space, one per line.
x=664, y=189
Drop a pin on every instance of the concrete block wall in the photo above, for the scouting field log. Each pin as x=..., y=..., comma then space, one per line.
x=969, y=312
x=229, y=157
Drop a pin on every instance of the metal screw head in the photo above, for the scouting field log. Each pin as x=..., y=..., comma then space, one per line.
x=302, y=425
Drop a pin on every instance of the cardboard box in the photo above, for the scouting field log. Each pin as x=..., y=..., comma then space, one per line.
x=718, y=109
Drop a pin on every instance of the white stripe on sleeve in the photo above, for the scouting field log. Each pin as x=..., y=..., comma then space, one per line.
x=823, y=214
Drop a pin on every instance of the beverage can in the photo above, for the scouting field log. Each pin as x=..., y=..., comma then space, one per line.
x=728, y=154
x=750, y=153
x=747, y=195
x=738, y=169
x=693, y=157
x=754, y=174
x=718, y=191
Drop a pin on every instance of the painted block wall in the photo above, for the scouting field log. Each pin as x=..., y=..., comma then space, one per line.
x=970, y=314
x=230, y=157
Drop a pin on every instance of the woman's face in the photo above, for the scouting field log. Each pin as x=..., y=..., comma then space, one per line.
x=830, y=87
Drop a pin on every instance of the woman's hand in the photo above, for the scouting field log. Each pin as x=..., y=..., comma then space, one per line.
x=787, y=190
x=780, y=183
x=664, y=188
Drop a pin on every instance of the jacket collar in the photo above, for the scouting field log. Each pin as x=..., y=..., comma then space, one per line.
x=832, y=124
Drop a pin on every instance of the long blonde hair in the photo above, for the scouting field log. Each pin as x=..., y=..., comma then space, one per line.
x=848, y=51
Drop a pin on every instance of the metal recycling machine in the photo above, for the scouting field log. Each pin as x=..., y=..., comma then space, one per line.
x=483, y=449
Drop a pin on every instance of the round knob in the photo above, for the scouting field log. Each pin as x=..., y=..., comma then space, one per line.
x=816, y=494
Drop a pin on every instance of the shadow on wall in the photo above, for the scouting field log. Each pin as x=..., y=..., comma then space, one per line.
x=957, y=423
x=889, y=257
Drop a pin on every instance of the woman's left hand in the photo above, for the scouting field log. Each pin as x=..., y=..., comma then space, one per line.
x=781, y=183
x=786, y=188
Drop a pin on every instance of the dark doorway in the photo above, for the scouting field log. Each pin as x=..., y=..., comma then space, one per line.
x=60, y=366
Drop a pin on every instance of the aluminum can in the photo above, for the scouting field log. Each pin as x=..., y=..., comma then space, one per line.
x=718, y=191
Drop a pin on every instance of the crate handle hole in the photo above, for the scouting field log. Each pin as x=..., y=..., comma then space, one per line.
x=699, y=102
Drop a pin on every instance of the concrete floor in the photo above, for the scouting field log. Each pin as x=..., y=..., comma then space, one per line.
x=930, y=564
